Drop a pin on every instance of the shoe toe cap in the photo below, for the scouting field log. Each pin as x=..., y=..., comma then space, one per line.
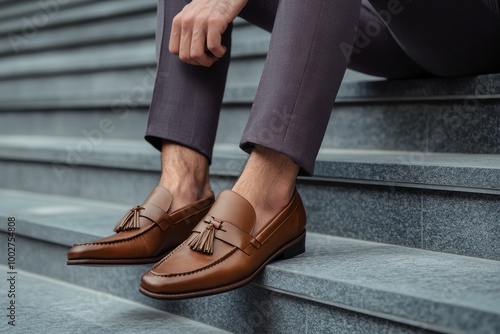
x=163, y=285
x=83, y=251
x=152, y=282
x=76, y=252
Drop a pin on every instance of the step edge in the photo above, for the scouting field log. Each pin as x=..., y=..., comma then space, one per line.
x=119, y=299
x=381, y=313
x=118, y=207
x=12, y=28
x=229, y=161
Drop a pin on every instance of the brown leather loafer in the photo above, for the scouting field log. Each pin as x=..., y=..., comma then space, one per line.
x=224, y=251
x=145, y=234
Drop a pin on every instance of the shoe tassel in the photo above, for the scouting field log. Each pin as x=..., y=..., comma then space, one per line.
x=204, y=241
x=130, y=220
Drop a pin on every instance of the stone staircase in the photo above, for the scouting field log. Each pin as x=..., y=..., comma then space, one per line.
x=403, y=213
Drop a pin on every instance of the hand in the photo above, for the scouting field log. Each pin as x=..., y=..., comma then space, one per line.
x=197, y=30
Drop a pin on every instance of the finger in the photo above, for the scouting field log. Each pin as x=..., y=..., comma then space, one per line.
x=197, y=52
x=175, y=35
x=185, y=43
x=213, y=58
x=214, y=41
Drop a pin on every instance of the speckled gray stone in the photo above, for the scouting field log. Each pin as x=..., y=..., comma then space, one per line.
x=140, y=25
x=431, y=115
x=462, y=221
x=447, y=291
x=385, y=214
x=370, y=127
x=459, y=171
x=48, y=306
x=434, y=127
x=68, y=13
x=118, y=159
x=471, y=87
x=339, y=321
x=44, y=217
x=256, y=309
x=128, y=187
x=381, y=214
x=468, y=127
x=430, y=290
x=53, y=219
x=406, y=126
x=385, y=115
x=60, y=123
x=425, y=289
x=454, y=222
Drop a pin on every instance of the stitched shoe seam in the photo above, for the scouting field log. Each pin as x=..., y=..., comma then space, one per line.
x=149, y=228
x=120, y=240
x=210, y=265
x=169, y=255
x=113, y=259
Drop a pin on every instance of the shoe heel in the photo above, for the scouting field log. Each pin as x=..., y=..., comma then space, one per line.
x=296, y=249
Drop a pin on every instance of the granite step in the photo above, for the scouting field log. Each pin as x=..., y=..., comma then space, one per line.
x=248, y=40
x=15, y=10
x=440, y=202
x=476, y=173
x=460, y=94
x=15, y=15
x=72, y=68
x=98, y=52
x=46, y=305
x=69, y=13
x=338, y=286
x=117, y=28
x=456, y=115
x=422, y=116
x=402, y=179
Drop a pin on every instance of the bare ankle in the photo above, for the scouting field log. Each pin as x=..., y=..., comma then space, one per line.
x=267, y=182
x=185, y=174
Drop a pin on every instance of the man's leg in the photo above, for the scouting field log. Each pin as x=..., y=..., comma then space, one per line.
x=446, y=38
x=184, y=174
x=267, y=182
x=187, y=148
x=182, y=124
x=263, y=218
x=376, y=51
x=303, y=71
x=289, y=119
x=268, y=179
x=184, y=113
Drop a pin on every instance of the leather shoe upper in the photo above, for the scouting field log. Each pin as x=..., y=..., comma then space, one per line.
x=145, y=233
x=224, y=250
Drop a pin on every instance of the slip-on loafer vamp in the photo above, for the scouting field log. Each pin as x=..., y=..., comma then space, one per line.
x=145, y=234
x=224, y=251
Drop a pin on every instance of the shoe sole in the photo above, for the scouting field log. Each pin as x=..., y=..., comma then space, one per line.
x=288, y=251
x=112, y=262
